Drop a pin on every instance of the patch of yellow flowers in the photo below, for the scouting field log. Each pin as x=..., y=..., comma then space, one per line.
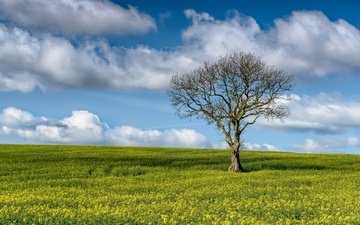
x=74, y=192
x=193, y=197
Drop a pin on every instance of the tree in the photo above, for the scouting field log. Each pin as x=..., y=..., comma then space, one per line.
x=231, y=93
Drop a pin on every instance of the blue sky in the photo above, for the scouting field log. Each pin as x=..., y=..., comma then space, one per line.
x=96, y=72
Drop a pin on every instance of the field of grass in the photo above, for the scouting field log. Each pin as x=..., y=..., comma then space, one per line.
x=132, y=185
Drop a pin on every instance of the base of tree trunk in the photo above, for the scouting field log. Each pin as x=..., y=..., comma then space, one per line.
x=235, y=163
x=235, y=170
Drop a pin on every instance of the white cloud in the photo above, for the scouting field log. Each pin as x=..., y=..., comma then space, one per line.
x=81, y=127
x=221, y=145
x=198, y=17
x=76, y=16
x=306, y=43
x=251, y=146
x=133, y=136
x=309, y=42
x=208, y=39
x=84, y=127
x=322, y=145
x=48, y=62
x=310, y=145
x=324, y=114
x=14, y=117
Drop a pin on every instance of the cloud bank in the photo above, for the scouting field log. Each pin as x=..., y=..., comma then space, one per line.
x=47, y=62
x=327, y=115
x=253, y=146
x=307, y=44
x=84, y=127
x=324, y=145
x=322, y=114
x=319, y=146
x=76, y=16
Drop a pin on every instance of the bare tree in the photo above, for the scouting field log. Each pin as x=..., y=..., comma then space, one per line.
x=231, y=93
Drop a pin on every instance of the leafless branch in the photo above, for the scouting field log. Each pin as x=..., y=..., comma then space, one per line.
x=231, y=93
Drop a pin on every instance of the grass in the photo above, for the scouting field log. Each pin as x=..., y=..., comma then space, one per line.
x=133, y=185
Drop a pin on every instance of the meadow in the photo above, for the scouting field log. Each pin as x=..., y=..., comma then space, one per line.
x=134, y=185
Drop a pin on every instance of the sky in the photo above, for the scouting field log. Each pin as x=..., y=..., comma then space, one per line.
x=96, y=72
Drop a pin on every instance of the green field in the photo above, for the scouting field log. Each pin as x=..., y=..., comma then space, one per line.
x=132, y=185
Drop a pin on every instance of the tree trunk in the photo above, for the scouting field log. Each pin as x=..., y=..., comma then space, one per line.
x=235, y=160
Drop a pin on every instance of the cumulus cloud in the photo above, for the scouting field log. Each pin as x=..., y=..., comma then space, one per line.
x=324, y=145
x=327, y=144
x=84, y=127
x=198, y=17
x=252, y=146
x=14, y=117
x=76, y=16
x=310, y=145
x=47, y=62
x=131, y=136
x=323, y=114
x=307, y=43
x=81, y=127
x=28, y=62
